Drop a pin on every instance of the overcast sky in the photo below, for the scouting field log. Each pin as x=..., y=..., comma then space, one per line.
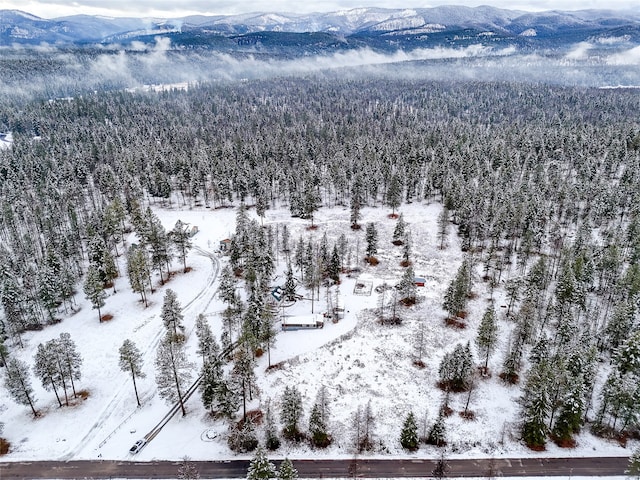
x=177, y=8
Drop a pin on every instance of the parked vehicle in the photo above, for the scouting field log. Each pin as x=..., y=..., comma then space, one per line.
x=139, y=445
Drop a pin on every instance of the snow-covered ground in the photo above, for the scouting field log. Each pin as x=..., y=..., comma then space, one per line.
x=357, y=359
x=6, y=139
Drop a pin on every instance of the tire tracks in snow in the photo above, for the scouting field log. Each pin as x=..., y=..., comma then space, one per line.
x=200, y=302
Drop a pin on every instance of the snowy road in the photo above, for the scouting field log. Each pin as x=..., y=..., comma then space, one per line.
x=364, y=468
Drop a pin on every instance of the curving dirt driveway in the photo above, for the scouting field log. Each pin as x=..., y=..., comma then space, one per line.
x=199, y=303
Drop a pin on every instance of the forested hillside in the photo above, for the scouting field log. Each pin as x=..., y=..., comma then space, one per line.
x=541, y=183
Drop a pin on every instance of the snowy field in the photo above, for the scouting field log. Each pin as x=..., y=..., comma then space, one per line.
x=6, y=140
x=357, y=359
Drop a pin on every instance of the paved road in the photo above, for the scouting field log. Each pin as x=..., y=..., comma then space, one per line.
x=365, y=468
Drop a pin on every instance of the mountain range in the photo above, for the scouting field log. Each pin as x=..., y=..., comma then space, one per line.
x=382, y=29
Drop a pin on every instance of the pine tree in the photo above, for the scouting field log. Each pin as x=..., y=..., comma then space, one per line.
x=571, y=412
x=187, y=470
x=12, y=298
x=291, y=412
x=323, y=252
x=211, y=376
x=612, y=398
x=443, y=223
x=253, y=321
x=95, y=248
x=465, y=276
x=310, y=272
x=70, y=359
x=311, y=202
x=535, y=406
x=566, y=288
x=407, y=286
x=18, y=383
x=368, y=423
x=487, y=336
x=322, y=400
x=271, y=439
x=131, y=362
x=172, y=315
x=46, y=368
x=363, y=424
x=620, y=324
x=289, y=288
x=453, y=303
x=235, y=255
x=268, y=332
x=225, y=400
x=181, y=238
x=456, y=369
x=207, y=344
x=512, y=362
x=300, y=258
x=541, y=351
x=260, y=468
x=419, y=343
x=4, y=351
x=447, y=371
x=116, y=215
x=58, y=362
x=109, y=268
x=394, y=193
x=156, y=238
x=627, y=356
x=406, y=249
x=243, y=377
x=633, y=469
x=512, y=288
x=286, y=237
x=357, y=199
x=371, y=237
x=441, y=468
x=242, y=436
x=138, y=271
x=399, y=231
x=94, y=289
x=356, y=429
x=242, y=222
x=455, y=298
x=227, y=287
x=318, y=428
x=537, y=276
x=101, y=258
x=438, y=435
x=409, y=434
x=287, y=471
x=262, y=205
x=173, y=372
x=49, y=290
x=333, y=267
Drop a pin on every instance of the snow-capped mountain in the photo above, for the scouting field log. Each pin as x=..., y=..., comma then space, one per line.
x=18, y=27
x=361, y=25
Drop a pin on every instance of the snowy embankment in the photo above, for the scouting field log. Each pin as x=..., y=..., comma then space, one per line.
x=357, y=359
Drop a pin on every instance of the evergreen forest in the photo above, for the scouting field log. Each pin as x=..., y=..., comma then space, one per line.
x=541, y=183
